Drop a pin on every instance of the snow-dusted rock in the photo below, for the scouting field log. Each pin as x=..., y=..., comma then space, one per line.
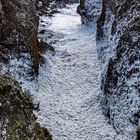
x=118, y=35
x=89, y=10
x=18, y=36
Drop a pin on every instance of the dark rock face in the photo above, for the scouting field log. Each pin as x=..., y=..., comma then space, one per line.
x=19, y=56
x=118, y=45
x=121, y=83
x=49, y=7
x=17, y=121
x=89, y=10
x=18, y=31
x=46, y=7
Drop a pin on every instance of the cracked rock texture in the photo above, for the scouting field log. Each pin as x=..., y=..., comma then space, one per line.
x=118, y=45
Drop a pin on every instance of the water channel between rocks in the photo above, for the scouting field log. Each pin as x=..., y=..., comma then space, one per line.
x=69, y=83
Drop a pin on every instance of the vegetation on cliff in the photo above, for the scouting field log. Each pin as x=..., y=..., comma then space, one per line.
x=17, y=121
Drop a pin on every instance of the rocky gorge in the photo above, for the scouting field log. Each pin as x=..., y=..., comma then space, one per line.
x=70, y=101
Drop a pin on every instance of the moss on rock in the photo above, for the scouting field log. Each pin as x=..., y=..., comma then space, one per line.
x=17, y=121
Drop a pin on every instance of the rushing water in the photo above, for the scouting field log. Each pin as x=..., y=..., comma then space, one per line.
x=69, y=83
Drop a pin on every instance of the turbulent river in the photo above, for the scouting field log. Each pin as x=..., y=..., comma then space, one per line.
x=69, y=84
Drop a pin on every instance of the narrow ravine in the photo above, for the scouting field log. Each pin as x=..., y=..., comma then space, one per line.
x=69, y=83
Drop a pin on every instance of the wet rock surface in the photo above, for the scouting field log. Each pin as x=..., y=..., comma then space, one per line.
x=118, y=48
x=17, y=121
x=18, y=35
x=20, y=56
x=121, y=84
x=49, y=7
x=89, y=10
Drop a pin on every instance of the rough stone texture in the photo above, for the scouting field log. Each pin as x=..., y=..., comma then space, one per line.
x=18, y=30
x=49, y=7
x=17, y=121
x=19, y=56
x=118, y=36
x=121, y=83
x=89, y=10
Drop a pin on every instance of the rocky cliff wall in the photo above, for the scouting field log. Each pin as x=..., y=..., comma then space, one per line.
x=18, y=33
x=19, y=57
x=89, y=10
x=118, y=45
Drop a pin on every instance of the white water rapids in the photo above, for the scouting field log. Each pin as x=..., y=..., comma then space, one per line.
x=69, y=83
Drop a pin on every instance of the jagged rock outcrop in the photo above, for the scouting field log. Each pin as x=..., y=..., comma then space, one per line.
x=18, y=33
x=89, y=10
x=118, y=36
x=17, y=121
x=47, y=7
x=121, y=83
